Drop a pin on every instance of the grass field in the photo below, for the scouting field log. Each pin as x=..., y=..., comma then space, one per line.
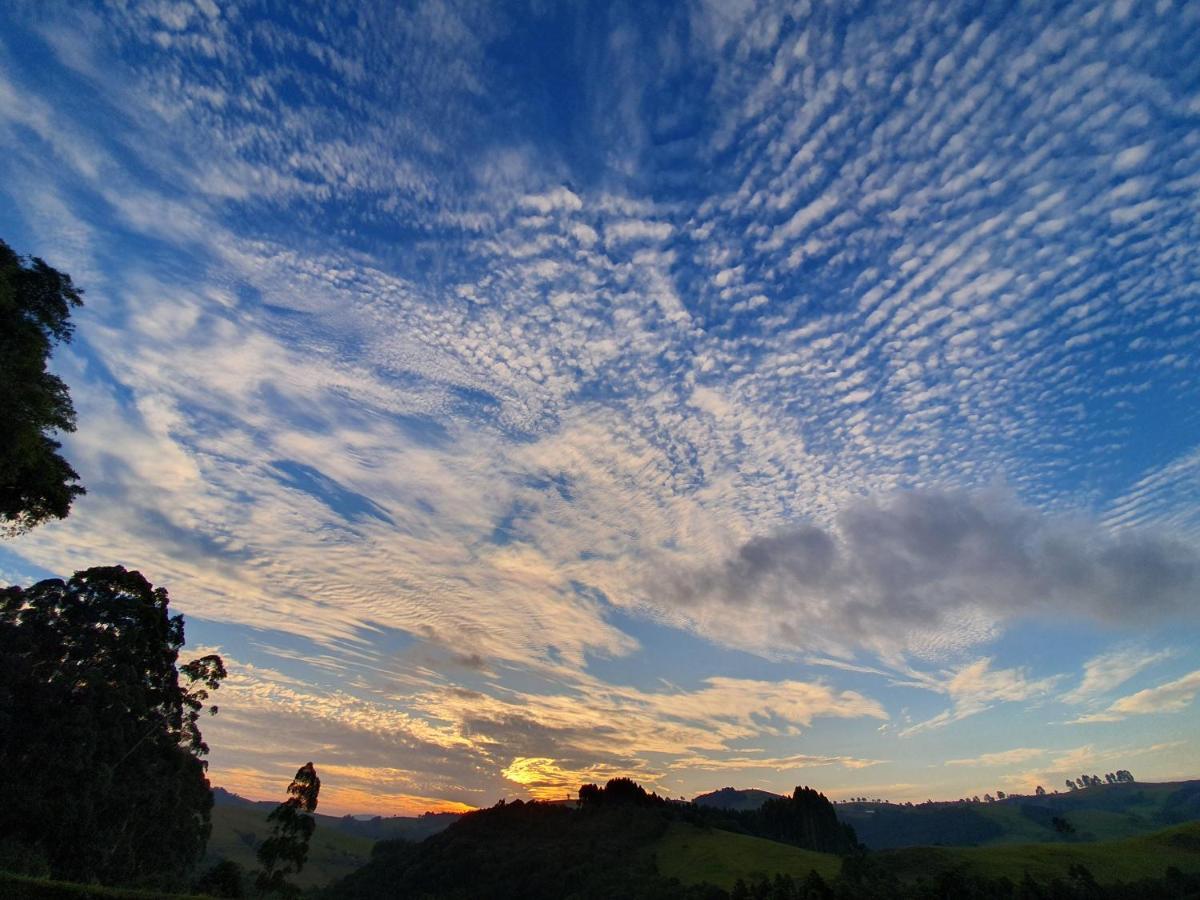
x=695, y=855
x=20, y=886
x=332, y=854
x=1124, y=860
x=1102, y=813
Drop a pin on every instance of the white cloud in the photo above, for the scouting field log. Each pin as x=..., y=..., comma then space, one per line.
x=1001, y=758
x=1132, y=157
x=1172, y=697
x=629, y=230
x=1103, y=673
x=976, y=687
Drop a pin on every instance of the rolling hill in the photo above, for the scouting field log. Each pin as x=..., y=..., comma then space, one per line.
x=1101, y=813
x=1147, y=856
x=696, y=855
x=339, y=846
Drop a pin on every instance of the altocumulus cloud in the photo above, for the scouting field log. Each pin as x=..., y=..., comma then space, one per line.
x=929, y=569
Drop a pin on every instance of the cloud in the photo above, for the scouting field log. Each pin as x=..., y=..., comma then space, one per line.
x=410, y=731
x=976, y=687
x=1103, y=673
x=1013, y=757
x=548, y=779
x=636, y=230
x=1132, y=157
x=1172, y=697
x=891, y=572
x=775, y=764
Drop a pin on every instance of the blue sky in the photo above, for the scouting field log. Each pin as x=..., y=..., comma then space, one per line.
x=718, y=393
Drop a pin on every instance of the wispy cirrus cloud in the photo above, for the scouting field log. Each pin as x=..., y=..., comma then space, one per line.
x=1171, y=697
x=976, y=687
x=1103, y=673
x=1000, y=758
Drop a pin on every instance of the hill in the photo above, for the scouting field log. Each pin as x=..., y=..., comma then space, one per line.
x=697, y=855
x=735, y=799
x=1102, y=812
x=340, y=845
x=620, y=841
x=1147, y=856
x=238, y=830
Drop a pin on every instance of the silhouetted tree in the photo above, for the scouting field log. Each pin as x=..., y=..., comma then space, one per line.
x=36, y=483
x=285, y=851
x=806, y=819
x=1124, y=776
x=1062, y=826
x=617, y=792
x=1039, y=791
x=101, y=765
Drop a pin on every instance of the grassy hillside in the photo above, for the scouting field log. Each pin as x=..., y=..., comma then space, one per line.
x=706, y=855
x=20, y=886
x=332, y=854
x=1102, y=813
x=695, y=855
x=1125, y=860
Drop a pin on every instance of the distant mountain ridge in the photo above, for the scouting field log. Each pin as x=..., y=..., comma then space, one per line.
x=377, y=827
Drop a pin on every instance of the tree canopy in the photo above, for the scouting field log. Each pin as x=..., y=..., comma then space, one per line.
x=101, y=758
x=36, y=483
x=285, y=851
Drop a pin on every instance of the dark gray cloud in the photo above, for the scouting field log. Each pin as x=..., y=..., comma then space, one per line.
x=921, y=562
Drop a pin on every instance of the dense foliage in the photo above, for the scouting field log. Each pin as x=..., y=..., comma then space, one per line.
x=805, y=819
x=36, y=483
x=532, y=851
x=101, y=765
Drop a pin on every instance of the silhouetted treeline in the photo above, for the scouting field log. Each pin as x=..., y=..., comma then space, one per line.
x=806, y=819
x=605, y=848
x=529, y=851
x=602, y=849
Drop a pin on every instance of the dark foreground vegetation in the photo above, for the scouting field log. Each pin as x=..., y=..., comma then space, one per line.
x=600, y=849
x=616, y=844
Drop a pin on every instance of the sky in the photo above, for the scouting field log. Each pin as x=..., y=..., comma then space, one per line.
x=518, y=395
